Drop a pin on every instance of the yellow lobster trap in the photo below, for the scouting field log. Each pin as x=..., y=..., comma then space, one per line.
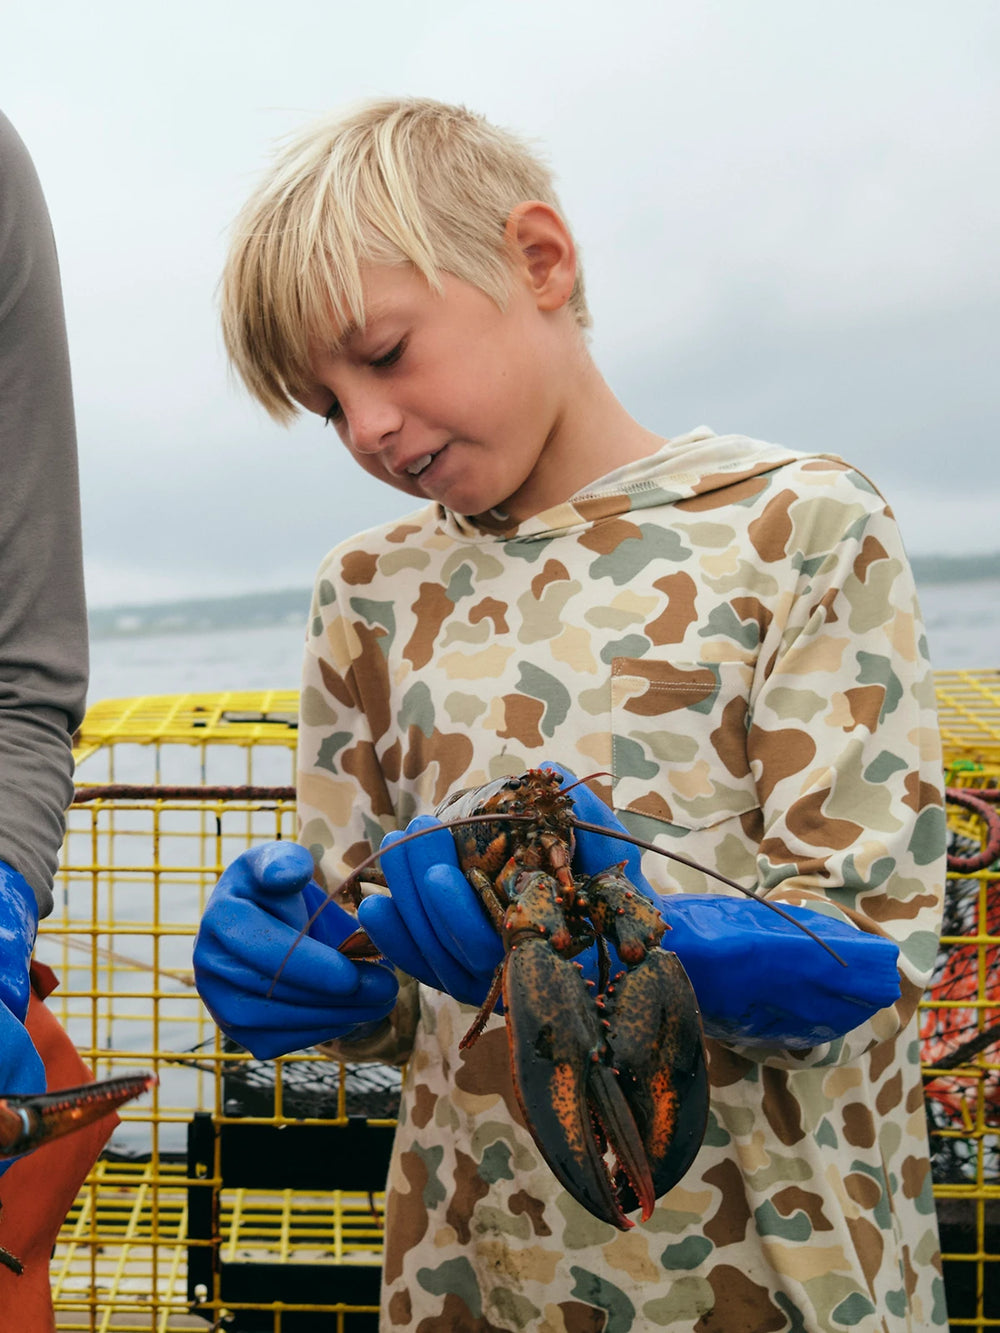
x=239, y=1194
x=960, y=1022
x=246, y=1196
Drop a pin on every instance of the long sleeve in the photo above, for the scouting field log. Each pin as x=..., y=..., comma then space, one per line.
x=343, y=803
x=43, y=629
x=843, y=744
x=792, y=743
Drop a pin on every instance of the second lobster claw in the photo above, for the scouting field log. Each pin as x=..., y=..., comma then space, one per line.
x=26, y=1122
x=622, y=1070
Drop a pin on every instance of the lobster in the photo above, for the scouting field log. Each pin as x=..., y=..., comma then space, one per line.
x=27, y=1122
x=622, y=1068
x=614, y=1065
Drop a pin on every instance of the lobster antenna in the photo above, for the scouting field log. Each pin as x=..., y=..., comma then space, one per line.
x=693, y=865
x=565, y=791
x=621, y=834
x=715, y=874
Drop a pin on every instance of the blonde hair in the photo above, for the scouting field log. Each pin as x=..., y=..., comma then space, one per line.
x=407, y=180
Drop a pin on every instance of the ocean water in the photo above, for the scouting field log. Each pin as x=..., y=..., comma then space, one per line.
x=963, y=629
x=963, y=624
x=260, y=658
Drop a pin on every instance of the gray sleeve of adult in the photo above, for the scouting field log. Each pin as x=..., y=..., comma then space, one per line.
x=43, y=625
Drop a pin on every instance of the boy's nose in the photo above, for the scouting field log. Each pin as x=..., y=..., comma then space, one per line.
x=371, y=425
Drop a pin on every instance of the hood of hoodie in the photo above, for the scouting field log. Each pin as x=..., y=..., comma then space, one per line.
x=686, y=466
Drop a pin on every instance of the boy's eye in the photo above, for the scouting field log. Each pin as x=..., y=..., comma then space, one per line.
x=391, y=357
x=333, y=414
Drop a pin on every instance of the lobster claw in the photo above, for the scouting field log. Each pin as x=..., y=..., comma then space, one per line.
x=623, y=1070
x=563, y=1086
x=26, y=1122
x=657, y=1048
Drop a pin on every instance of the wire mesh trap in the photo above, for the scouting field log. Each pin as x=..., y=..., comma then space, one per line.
x=960, y=1021
x=313, y=1089
x=232, y=1196
x=246, y=1195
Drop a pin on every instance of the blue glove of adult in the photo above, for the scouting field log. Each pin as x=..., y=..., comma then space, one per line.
x=21, y=1068
x=433, y=926
x=758, y=978
x=253, y=918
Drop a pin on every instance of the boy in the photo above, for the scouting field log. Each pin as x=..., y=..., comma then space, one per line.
x=727, y=627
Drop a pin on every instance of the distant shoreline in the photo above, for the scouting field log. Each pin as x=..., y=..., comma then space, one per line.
x=252, y=610
x=290, y=606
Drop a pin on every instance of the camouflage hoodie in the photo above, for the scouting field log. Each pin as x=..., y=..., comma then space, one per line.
x=730, y=629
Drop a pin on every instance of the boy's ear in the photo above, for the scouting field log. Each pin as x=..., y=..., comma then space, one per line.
x=543, y=252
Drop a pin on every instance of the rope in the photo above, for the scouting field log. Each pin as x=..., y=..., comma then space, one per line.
x=124, y=791
x=978, y=803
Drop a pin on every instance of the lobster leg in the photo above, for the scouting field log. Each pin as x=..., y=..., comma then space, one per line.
x=28, y=1122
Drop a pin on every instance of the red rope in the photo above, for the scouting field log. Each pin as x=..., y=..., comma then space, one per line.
x=976, y=803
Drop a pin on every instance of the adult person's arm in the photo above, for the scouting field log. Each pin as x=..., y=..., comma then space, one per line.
x=43, y=628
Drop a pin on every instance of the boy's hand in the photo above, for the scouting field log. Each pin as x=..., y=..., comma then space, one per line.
x=433, y=926
x=760, y=981
x=252, y=920
x=21, y=1068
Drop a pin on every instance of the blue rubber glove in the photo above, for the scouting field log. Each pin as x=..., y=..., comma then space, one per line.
x=759, y=980
x=433, y=926
x=253, y=918
x=21, y=1068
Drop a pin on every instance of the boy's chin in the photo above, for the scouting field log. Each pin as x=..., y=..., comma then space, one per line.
x=406, y=485
x=470, y=500
x=410, y=486
x=466, y=497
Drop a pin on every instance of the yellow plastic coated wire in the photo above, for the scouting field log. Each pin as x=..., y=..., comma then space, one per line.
x=135, y=874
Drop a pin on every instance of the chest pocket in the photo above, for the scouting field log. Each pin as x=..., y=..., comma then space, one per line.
x=679, y=740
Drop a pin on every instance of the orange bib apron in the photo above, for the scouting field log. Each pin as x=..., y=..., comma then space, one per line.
x=38, y=1190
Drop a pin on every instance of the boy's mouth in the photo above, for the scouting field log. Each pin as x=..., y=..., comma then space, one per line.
x=420, y=465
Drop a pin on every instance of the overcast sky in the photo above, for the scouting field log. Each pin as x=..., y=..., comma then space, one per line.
x=787, y=211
